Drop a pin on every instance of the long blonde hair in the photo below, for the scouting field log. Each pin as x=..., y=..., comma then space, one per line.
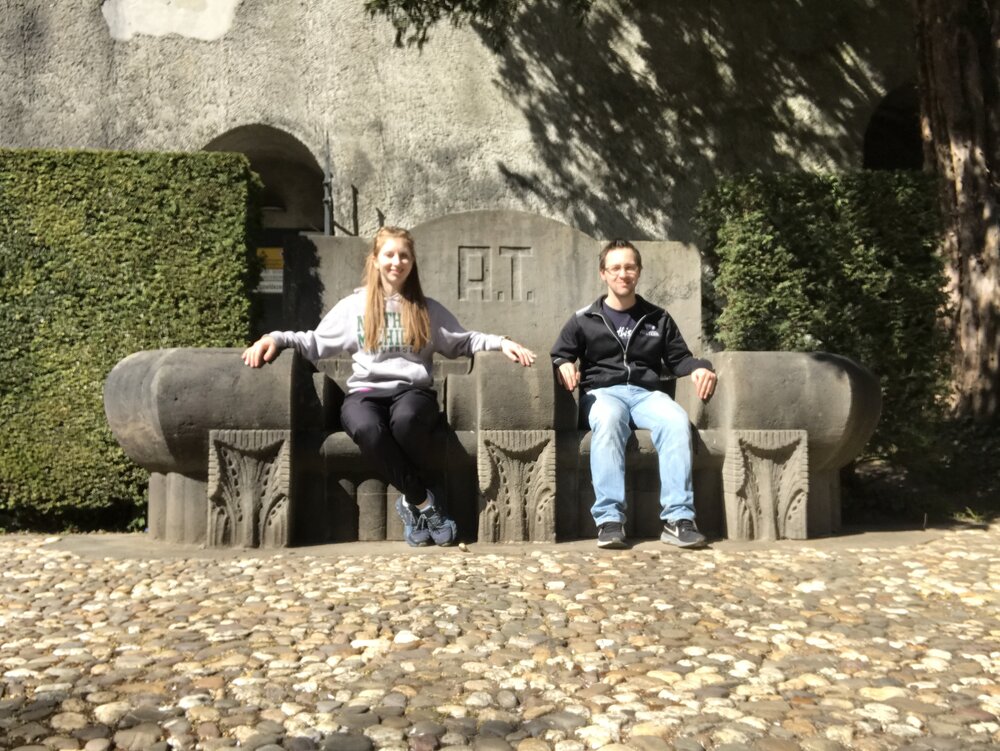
x=416, y=319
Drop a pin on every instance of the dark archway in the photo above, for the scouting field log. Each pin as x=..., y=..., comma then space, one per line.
x=892, y=140
x=293, y=180
x=292, y=203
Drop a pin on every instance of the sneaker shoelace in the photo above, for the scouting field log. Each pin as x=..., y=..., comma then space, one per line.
x=432, y=518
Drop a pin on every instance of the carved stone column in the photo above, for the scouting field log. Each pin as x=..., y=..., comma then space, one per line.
x=177, y=508
x=517, y=485
x=249, y=479
x=766, y=484
x=372, y=514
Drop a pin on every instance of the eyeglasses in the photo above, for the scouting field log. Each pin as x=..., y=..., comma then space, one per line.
x=629, y=269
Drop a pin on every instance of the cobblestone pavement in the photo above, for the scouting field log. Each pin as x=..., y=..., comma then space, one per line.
x=559, y=648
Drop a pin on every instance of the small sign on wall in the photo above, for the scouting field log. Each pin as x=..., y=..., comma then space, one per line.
x=272, y=272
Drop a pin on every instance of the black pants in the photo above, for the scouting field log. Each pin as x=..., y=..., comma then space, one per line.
x=395, y=433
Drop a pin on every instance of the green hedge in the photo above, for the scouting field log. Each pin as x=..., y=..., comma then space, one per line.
x=103, y=254
x=838, y=263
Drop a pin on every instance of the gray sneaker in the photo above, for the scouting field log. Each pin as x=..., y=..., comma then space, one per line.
x=442, y=530
x=415, y=530
x=611, y=535
x=683, y=533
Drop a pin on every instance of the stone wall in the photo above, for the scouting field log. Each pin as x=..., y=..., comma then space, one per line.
x=614, y=127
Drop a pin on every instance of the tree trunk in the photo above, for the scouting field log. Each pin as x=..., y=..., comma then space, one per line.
x=959, y=70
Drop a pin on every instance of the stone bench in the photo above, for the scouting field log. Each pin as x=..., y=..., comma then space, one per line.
x=255, y=457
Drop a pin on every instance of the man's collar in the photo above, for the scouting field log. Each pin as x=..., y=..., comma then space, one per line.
x=640, y=301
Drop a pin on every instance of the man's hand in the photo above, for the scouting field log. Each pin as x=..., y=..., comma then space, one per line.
x=261, y=351
x=569, y=376
x=704, y=383
x=517, y=352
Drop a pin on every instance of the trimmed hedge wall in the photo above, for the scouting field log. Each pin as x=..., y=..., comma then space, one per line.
x=103, y=254
x=842, y=263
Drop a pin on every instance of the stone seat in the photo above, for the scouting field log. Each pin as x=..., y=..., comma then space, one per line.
x=250, y=457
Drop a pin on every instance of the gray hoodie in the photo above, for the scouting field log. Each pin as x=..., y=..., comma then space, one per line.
x=395, y=366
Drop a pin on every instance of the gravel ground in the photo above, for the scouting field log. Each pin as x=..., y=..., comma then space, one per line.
x=554, y=648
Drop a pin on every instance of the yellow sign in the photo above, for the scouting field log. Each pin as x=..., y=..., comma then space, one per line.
x=271, y=258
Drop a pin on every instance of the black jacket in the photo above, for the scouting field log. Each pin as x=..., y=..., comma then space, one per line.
x=655, y=342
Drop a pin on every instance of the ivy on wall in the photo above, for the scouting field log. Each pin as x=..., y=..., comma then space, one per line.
x=103, y=254
x=842, y=263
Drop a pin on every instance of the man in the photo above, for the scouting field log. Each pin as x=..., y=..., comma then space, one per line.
x=621, y=343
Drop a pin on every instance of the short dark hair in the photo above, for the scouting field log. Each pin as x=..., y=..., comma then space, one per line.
x=618, y=245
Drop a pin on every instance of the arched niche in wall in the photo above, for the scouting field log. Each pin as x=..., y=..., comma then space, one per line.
x=293, y=180
x=892, y=139
x=292, y=202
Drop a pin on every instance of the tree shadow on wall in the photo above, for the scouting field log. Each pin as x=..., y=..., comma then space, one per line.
x=635, y=111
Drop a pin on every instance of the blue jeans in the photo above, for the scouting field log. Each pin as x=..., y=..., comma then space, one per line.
x=610, y=410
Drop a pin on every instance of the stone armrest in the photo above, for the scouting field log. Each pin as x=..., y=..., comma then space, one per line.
x=162, y=404
x=833, y=399
x=497, y=394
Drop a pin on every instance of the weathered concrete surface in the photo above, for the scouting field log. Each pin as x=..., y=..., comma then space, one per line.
x=138, y=546
x=196, y=19
x=615, y=126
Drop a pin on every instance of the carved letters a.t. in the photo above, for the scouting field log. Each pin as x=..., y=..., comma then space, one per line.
x=497, y=274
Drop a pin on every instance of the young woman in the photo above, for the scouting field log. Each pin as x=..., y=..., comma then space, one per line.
x=392, y=331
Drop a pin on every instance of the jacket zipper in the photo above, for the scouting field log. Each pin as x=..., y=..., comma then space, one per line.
x=628, y=370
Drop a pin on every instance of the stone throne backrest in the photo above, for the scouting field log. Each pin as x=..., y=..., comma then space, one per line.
x=503, y=272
